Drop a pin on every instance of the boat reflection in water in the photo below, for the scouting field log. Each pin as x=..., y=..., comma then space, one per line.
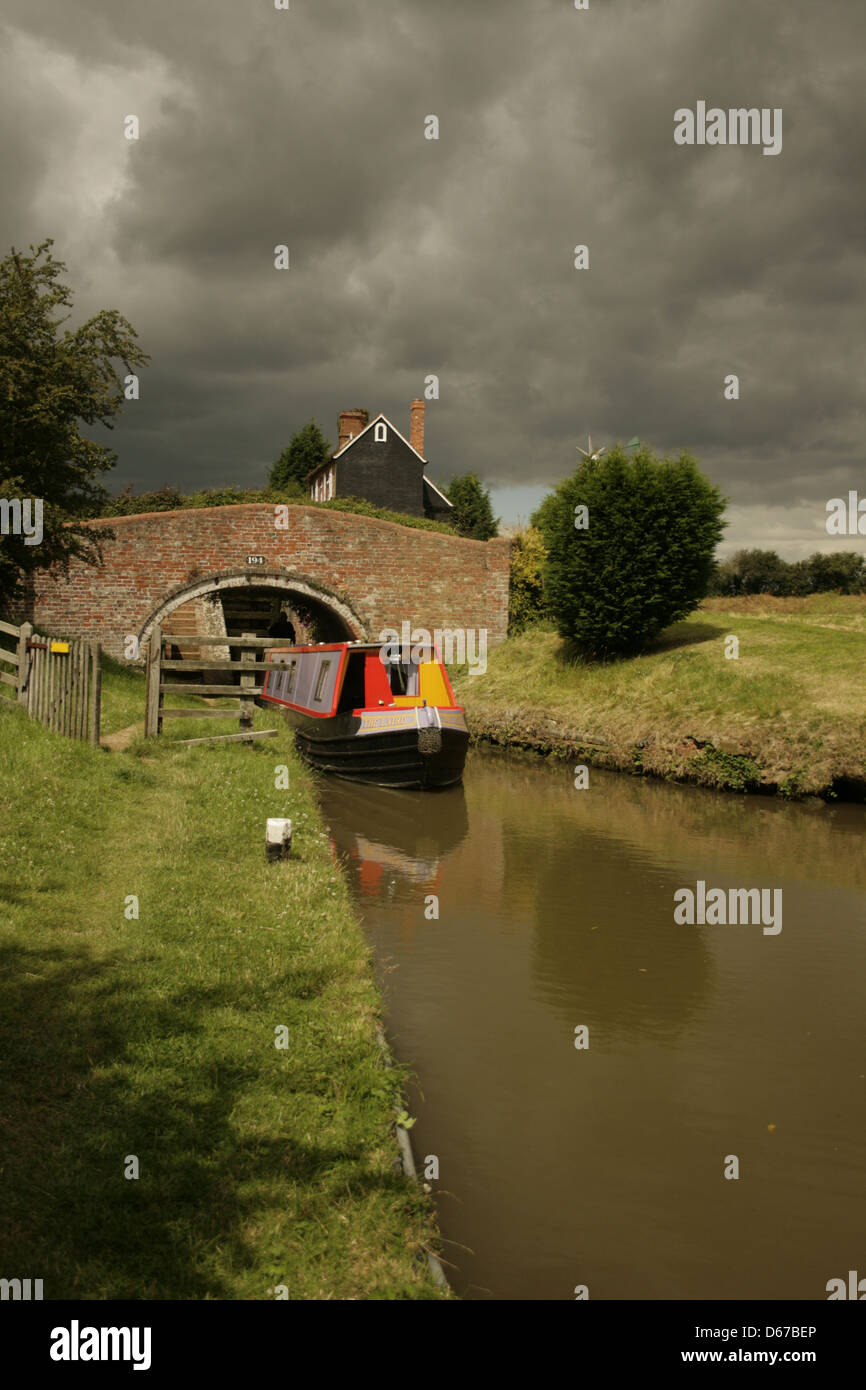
x=385, y=841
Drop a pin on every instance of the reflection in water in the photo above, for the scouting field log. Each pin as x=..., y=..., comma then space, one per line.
x=605, y=1166
x=385, y=844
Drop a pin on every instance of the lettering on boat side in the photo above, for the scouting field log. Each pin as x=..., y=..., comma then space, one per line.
x=455, y=719
x=371, y=723
x=714, y=907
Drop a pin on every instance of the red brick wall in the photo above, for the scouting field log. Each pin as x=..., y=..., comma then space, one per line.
x=386, y=573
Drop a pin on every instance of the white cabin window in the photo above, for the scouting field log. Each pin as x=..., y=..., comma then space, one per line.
x=320, y=683
x=380, y=433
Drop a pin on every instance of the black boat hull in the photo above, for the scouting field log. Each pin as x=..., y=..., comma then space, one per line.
x=422, y=759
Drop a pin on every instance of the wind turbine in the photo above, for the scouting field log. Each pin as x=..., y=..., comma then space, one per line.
x=594, y=455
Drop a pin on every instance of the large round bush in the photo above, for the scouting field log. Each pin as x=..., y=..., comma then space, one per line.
x=644, y=557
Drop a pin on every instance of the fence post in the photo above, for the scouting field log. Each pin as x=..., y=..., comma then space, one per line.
x=50, y=674
x=25, y=632
x=95, y=691
x=37, y=685
x=245, y=719
x=153, y=705
x=81, y=704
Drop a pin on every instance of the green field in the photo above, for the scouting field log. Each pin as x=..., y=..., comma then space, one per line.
x=788, y=714
x=155, y=1036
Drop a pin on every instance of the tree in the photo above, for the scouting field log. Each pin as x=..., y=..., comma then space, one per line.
x=53, y=380
x=473, y=510
x=765, y=572
x=304, y=452
x=752, y=572
x=841, y=570
x=526, y=602
x=630, y=540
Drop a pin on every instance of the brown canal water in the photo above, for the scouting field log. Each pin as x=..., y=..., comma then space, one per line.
x=604, y=1165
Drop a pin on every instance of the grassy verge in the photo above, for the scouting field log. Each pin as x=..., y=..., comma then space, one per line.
x=788, y=715
x=154, y=1035
x=123, y=706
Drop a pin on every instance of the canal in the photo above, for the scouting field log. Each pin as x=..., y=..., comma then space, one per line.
x=706, y=1049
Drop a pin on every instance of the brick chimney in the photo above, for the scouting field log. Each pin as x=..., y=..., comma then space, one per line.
x=352, y=422
x=416, y=426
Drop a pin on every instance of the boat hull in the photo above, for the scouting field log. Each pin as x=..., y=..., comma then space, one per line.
x=422, y=759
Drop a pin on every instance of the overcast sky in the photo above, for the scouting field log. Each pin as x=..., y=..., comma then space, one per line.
x=455, y=257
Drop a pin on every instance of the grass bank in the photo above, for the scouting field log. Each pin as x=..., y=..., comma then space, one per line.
x=154, y=1035
x=788, y=715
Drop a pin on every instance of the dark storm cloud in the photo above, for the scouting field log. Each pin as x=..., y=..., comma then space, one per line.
x=455, y=256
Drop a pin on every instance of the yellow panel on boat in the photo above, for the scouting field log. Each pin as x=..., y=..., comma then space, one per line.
x=433, y=688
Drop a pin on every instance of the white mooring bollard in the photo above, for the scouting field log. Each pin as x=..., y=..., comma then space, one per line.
x=278, y=839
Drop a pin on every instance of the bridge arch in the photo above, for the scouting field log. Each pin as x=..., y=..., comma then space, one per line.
x=335, y=618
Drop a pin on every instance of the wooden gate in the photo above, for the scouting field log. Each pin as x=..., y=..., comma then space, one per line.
x=245, y=693
x=58, y=682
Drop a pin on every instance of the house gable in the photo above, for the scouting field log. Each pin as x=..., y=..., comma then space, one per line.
x=379, y=420
x=381, y=466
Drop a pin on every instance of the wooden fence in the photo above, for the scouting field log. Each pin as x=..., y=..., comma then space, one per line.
x=58, y=682
x=157, y=688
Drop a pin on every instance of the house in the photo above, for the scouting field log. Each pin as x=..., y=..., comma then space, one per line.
x=376, y=462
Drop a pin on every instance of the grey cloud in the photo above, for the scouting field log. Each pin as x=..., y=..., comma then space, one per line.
x=455, y=257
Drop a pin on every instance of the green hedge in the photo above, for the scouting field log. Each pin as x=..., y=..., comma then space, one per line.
x=170, y=499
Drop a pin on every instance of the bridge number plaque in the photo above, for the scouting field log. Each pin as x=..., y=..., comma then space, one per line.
x=255, y=559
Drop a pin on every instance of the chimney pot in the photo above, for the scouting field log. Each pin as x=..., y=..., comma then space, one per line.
x=352, y=423
x=416, y=425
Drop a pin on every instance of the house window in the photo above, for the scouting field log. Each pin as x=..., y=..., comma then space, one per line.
x=380, y=433
x=320, y=683
x=330, y=482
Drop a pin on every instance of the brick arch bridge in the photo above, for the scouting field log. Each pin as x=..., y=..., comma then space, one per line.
x=213, y=569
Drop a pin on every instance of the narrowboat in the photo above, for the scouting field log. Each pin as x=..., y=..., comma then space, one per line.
x=368, y=714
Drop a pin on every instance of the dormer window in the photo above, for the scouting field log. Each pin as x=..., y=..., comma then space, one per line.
x=380, y=432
